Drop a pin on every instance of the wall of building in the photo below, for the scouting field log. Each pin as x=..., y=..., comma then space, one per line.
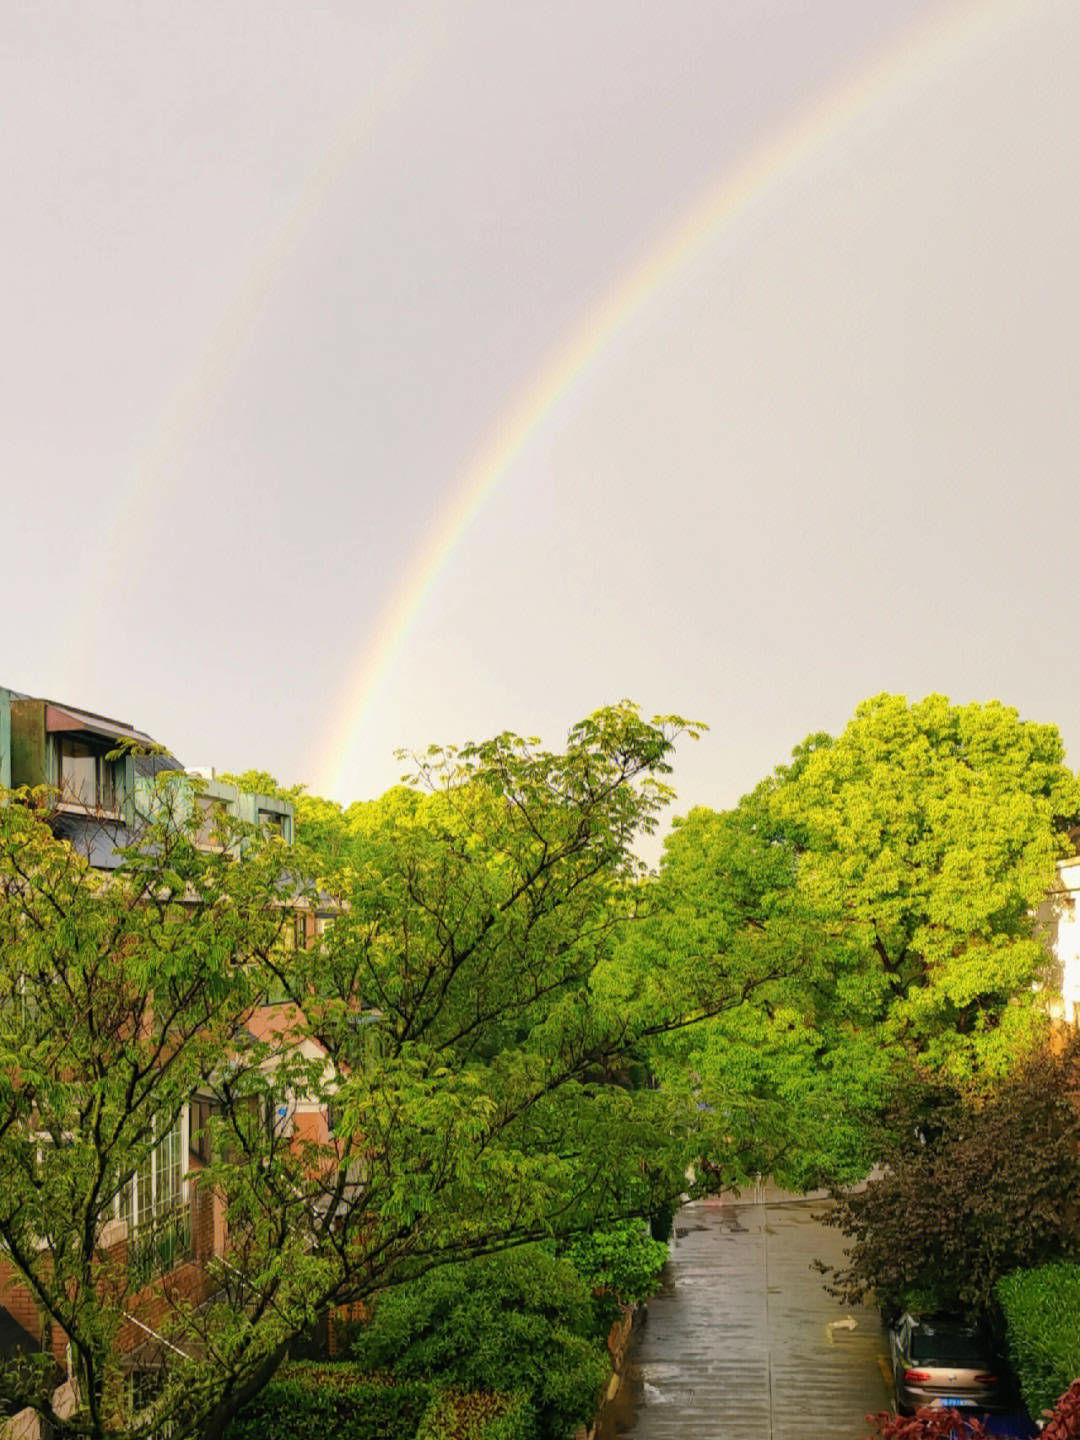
x=1058, y=919
x=5, y=738
x=29, y=753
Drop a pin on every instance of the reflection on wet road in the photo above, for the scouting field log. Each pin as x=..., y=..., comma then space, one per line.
x=743, y=1343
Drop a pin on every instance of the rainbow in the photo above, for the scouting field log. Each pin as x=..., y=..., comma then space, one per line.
x=865, y=101
x=150, y=474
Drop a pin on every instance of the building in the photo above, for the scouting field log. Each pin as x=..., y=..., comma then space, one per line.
x=106, y=780
x=1058, y=921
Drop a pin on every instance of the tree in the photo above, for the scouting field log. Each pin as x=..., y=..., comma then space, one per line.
x=885, y=882
x=978, y=1181
x=455, y=1008
x=927, y=834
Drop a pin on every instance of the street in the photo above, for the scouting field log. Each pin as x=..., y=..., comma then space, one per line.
x=743, y=1343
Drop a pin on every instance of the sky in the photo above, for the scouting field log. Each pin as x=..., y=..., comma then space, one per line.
x=379, y=373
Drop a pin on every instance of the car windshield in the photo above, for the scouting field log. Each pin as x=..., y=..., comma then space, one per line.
x=947, y=1347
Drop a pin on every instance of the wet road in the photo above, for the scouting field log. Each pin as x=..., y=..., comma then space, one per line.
x=743, y=1344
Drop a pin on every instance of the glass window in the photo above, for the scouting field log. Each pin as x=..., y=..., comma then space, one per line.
x=948, y=1347
x=86, y=777
x=157, y=1186
x=78, y=773
x=211, y=814
x=272, y=822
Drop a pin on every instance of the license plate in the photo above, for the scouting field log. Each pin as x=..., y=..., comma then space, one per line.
x=955, y=1402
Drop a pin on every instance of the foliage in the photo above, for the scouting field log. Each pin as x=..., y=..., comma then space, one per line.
x=519, y=1322
x=305, y=1400
x=977, y=1182
x=876, y=895
x=1042, y=1318
x=925, y=836
x=453, y=1008
x=928, y=1425
x=453, y=1415
x=1064, y=1421
x=623, y=1259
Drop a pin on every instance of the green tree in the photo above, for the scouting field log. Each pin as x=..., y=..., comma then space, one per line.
x=454, y=1008
x=927, y=835
x=880, y=889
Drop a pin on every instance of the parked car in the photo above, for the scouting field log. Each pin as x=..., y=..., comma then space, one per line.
x=944, y=1362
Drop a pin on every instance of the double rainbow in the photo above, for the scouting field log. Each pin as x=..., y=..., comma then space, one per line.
x=770, y=175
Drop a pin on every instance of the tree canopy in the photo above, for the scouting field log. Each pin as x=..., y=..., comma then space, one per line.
x=451, y=1008
x=479, y=1012
x=882, y=886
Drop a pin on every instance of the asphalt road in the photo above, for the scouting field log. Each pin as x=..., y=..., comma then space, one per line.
x=743, y=1343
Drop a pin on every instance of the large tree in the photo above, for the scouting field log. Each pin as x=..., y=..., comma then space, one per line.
x=886, y=880
x=456, y=1008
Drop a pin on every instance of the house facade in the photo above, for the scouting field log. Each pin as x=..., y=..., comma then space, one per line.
x=1058, y=920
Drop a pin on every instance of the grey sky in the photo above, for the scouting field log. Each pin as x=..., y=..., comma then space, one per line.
x=274, y=274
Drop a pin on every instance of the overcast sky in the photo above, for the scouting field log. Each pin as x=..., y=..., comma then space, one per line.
x=274, y=277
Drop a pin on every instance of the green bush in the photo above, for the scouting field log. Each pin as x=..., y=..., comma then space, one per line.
x=624, y=1259
x=1042, y=1319
x=308, y=1400
x=522, y=1322
x=453, y=1415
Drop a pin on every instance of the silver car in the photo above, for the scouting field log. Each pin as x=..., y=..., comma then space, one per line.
x=945, y=1363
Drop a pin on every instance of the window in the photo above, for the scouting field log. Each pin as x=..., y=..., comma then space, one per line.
x=211, y=812
x=292, y=937
x=200, y=1113
x=272, y=822
x=86, y=778
x=152, y=1201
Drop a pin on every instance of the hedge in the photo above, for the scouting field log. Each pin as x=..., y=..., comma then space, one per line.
x=454, y=1415
x=1042, y=1318
x=307, y=1399
x=623, y=1259
x=518, y=1323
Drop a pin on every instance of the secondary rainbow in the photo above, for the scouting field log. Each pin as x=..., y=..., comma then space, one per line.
x=770, y=173
x=151, y=473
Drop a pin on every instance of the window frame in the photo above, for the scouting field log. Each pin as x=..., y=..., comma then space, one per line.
x=108, y=775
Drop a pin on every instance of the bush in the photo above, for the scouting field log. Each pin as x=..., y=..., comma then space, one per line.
x=623, y=1259
x=456, y=1416
x=308, y=1400
x=522, y=1322
x=928, y=1425
x=1042, y=1319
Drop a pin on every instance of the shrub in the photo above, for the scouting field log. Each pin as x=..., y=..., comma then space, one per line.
x=521, y=1322
x=928, y=1425
x=308, y=1400
x=623, y=1259
x=1064, y=1423
x=1042, y=1319
x=453, y=1415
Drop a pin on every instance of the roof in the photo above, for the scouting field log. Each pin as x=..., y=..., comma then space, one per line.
x=149, y=766
x=67, y=717
x=60, y=719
